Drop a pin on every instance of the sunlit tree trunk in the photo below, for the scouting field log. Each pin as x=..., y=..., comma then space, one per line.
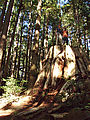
x=35, y=54
x=4, y=31
x=42, y=44
x=20, y=47
x=46, y=37
x=37, y=28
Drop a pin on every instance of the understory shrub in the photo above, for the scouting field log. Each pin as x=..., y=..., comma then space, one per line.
x=13, y=86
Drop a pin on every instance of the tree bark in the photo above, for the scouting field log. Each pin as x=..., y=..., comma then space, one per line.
x=27, y=66
x=4, y=31
x=35, y=51
x=12, y=40
x=46, y=37
x=30, y=49
x=42, y=44
x=19, y=54
x=61, y=66
x=2, y=16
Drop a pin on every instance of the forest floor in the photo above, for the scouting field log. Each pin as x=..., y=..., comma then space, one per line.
x=20, y=108
x=75, y=107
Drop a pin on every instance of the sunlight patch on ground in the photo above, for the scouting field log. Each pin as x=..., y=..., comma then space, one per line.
x=21, y=102
x=16, y=105
x=6, y=112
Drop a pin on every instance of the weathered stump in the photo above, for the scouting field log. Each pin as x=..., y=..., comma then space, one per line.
x=59, y=66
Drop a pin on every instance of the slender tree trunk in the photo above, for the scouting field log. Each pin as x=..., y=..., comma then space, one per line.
x=4, y=31
x=30, y=49
x=53, y=35
x=56, y=37
x=19, y=56
x=29, y=45
x=14, y=69
x=23, y=67
x=84, y=38
x=46, y=37
x=78, y=25
x=27, y=52
x=14, y=56
x=42, y=44
x=59, y=39
x=76, y=18
x=88, y=54
x=10, y=63
x=2, y=16
x=60, y=15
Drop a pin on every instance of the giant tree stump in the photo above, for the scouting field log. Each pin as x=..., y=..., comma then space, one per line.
x=59, y=66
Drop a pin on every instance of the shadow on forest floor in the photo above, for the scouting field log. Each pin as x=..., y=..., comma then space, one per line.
x=72, y=109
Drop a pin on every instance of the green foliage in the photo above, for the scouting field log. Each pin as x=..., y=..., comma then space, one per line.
x=13, y=86
x=88, y=106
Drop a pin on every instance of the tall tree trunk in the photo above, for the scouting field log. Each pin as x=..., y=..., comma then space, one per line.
x=28, y=48
x=74, y=14
x=60, y=15
x=29, y=45
x=46, y=37
x=42, y=44
x=15, y=68
x=2, y=16
x=10, y=63
x=53, y=34
x=12, y=40
x=59, y=40
x=84, y=38
x=37, y=28
x=35, y=54
x=78, y=23
x=30, y=52
x=14, y=57
x=4, y=31
x=23, y=67
x=76, y=18
x=15, y=53
x=19, y=55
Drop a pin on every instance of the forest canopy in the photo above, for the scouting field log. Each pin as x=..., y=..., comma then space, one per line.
x=28, y=25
